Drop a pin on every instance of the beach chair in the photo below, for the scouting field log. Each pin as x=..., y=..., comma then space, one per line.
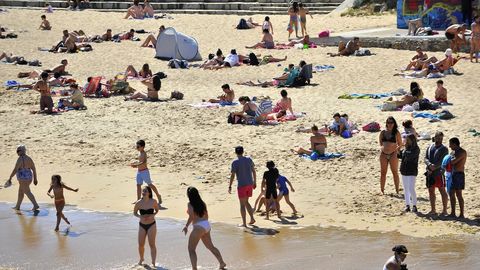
x=93, y=87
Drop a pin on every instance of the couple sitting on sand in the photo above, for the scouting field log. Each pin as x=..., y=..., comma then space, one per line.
x=431, y=67
x=292, y=76
x=136, y=11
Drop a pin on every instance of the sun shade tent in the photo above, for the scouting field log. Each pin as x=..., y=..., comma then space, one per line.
x=174, y=45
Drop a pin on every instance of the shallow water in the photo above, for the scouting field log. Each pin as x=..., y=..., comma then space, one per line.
x=108, y=241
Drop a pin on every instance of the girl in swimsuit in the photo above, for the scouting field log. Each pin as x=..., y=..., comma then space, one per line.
x=284, y=104
x=198, y=217
x=144, y=73
x=145, y=209
x=25, y=171
x=293, y=23
x=57, y=186
x=390, y=142
x=153, y=86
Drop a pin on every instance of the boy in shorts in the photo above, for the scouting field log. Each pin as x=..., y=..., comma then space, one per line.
x=143, y=174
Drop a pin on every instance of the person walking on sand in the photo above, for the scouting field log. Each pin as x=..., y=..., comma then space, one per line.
x=390, y=143
x=302, y=13
x=293, y=23
x=198, y=217
x=244, y=169
x=143, y=174
x=409, y=171
x=146, y=209
x=459, y=157
x=435, y=178
x=396, y=261
x=57, y=187
x=24, y=170
x=284, y=192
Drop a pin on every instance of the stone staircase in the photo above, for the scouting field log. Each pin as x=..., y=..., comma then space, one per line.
x=237, y=7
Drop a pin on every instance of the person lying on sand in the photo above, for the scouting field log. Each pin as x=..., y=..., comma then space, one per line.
x=391, y=104
x=213, y=60
x=231, y=60
x=145, y=72
x=318, y=144
x=148, y=11
x=99, y=38
x=347, y=49
x=433, y=66
x=456, y=34
x=151, y=39
x=225, y=99
x=153, y=86
x=57, y=69
x=125, y=35
x=418, y=60
x=276, y=81
x=10, y=58
x=77, y=98
x=45, y=25
x=266, y=43
x=304, y=41
x=135, y=11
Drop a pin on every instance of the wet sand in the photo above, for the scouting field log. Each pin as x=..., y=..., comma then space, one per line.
x=108, y=241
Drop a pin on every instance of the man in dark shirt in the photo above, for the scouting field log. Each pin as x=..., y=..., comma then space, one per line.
x=435, y=178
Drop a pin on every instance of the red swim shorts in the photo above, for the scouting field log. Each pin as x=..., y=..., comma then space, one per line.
x=245, y=192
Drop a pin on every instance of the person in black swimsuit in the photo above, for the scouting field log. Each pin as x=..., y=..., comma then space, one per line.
x=270, y=184
x=390, y=142
x=146, y=208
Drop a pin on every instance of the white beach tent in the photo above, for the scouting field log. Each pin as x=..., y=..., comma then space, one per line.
x=172, y=44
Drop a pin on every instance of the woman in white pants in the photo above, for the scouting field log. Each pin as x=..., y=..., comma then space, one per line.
x=409, y=171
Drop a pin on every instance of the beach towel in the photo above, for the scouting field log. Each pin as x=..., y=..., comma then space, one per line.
x=443, y=115
x=365, y=96
x=447, y=168
x=474, y=132
x=315, y=156
x=323, y=68
x=281, y=47
x=11, y=84
x=211, y=105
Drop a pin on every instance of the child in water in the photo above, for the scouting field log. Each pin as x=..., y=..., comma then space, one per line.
x=57, y=186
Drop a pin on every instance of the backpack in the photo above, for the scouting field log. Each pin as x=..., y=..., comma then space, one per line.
x=253, y=59
x=176, y=95
x=371, y=127
x=234, y=119
x=424, y=104
x=175, y=63
x=445, y=115
x=242, y=24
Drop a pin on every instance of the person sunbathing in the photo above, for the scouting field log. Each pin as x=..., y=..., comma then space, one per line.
x=339, y=125
x=304, y=41
x=225, y=99
x=76, y=101
x=125, y=35
x=153, y=86
x=145, y=72
x=279, y=80
x=214, y=60
x=391, y=104
x=270, y=59
x=45, y=25
x=60, y=69
x=318, y=144
x=413, y=26
x=135, y=11
x=10, y=58
x=266, y=43
x=248, y=107
x=252, y=24
x=347, y=49
x=148, y=11
x=231, y=60
x=151, y=38
x=418, y=60
x=275, y=116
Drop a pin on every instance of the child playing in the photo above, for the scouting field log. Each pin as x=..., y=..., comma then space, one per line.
x=302, y=12
x=57, y=186
x=441, y=92
x=143, y=174
x=283, y=192
x=267, y=25
x=269, y=182
x=45, y=25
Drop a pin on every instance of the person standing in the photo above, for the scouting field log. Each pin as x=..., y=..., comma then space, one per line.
x=409, y=171
x=302, y=12
x=459, y=157
x=143, y=174
x=435, y=178
x=293, y=23
x=475, y=40
x=25, y=171
x=244, y=169
x=46, y=100
x=269, y=183
x=390, y=143
x=198, y=217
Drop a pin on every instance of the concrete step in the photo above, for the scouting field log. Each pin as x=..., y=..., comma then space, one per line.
x=312, y=10
x=307, y=2
x=285, y=5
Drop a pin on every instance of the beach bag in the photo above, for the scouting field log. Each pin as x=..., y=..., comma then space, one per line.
x=371, y=127
x=445, y=115
x=176, y=63
x=253, y=59
x=346, y=134
x=362, y=52
x=324, y=34
x=424, y=104
x=242, y=24
x=161, y=75
x=234, y=119
x=176, y=95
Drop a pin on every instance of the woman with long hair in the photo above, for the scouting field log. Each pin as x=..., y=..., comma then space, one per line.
x=390, y=143
x=198, y=217
x=145, y=209
x=293, y=23
x=153, y=86
x=409, y=171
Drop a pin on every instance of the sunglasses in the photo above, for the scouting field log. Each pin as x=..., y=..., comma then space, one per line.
x=390, y=123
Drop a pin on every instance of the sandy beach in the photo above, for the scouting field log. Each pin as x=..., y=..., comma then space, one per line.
x=186, y=146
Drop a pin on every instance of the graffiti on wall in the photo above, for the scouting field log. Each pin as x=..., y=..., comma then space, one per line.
x=437, y=14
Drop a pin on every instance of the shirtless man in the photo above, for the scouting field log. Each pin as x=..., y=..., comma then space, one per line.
x=318, y=144
x=441, y=93
x=418, y=60
x=151, y=38
x=347, y=49
x=459, y=157
x=267, y=41
x=143, y=174
x=302, y=14
x=456, y=34
x=107, y=36
x=46, y=100
x=475, y=40
x=135, y=11
x=227, y=98
x=45, y=25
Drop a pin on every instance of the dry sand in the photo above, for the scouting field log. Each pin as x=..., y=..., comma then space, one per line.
x=186, y=146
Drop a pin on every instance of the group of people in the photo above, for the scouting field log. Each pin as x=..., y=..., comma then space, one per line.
x=456, y=34
x=416, y=95
x=137, y=11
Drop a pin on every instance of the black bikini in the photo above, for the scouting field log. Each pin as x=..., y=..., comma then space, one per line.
x=392, y=139
x=143, y=212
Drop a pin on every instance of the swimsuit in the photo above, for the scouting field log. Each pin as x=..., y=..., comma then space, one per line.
x=146, y=227
x=458, y=180
x=143, y=212
x=143, y=176
x=391, y=139
x=271, y=177
x=449, y=36
x=269, y=45
x=282, y=183
x=250, y=112
x=203, y=224
x=303, y=19
x=24, y=173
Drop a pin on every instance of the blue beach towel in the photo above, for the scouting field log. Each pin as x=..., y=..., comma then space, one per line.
x=425, y=115
x=326, y=156
x=11, y=83
x=448, y=175
x=322, y=68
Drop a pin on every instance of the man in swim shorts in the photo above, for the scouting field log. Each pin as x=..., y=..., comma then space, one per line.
x=244, y=169
x=46, y=100
x=459, y=157
x=435, y=178
x=143, y=174
x=456, y=34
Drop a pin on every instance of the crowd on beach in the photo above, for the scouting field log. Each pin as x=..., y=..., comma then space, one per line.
x=399, y=150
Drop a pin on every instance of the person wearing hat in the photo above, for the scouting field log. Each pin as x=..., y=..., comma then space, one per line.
x=456, y=34
x=244, y=169
x=25, y=172
x=395, y=262
x=435, y=178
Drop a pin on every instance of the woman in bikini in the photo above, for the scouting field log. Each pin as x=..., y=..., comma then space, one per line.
x=284, y=104
x=198, y=217
x=318, y=144
x=249, y=107
x=293, y=23
x=153, y=86
x=25, y=171
x=57, y=186
x=145, y=209
x=144, y=73
x=390, y=142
